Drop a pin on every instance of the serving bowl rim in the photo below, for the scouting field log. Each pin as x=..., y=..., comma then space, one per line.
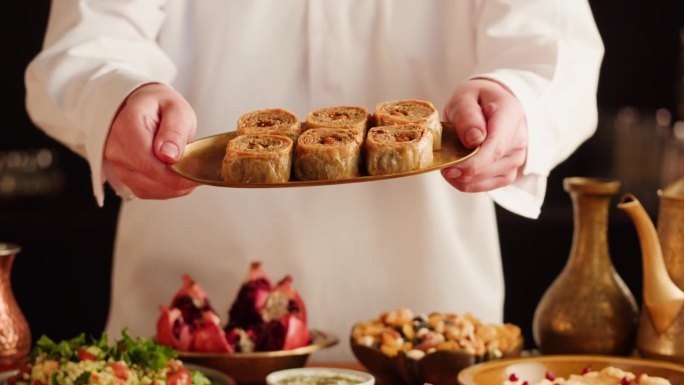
x=321, y=340
x=465, y=376
x=366, y=377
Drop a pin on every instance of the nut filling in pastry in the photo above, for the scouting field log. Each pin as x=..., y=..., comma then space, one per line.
x=327, y=153
x=395, y=149
x=398, y=112
x=353, y=117
x=255, y=158
x=271, y=121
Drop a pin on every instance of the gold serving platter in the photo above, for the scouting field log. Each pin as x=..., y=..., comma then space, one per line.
x=534, y=368
x=202, y=159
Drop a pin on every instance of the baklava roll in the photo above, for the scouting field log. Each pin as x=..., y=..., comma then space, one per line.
x=271, y=121
x=327, y=153
x=396, y=149
x=257, y=158
x=408, y=111
x=354, y=117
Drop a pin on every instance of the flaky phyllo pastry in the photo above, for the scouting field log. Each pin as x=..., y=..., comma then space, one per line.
x=255, y=158
x=327, y=153
x=271, y=121
x=395, y=149
x=354, y=117
x=398, y=112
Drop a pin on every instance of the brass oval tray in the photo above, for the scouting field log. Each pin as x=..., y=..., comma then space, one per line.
x=202, y=159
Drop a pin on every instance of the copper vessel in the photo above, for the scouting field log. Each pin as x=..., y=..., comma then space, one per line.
x=661, y=329
x=588, y=309
x=15, y=336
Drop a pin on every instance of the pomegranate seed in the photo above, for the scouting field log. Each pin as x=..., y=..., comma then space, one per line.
x=549, y=376
x=512, y=377
x=525, y=383
x=625, y=381
x=586, y=370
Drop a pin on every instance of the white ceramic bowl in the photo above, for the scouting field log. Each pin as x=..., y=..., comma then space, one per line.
x=354, y=377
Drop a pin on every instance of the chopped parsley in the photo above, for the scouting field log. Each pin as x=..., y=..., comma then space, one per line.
x=133, y=351
x=82, y=379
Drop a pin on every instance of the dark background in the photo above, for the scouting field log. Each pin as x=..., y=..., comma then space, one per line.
x=61, y=277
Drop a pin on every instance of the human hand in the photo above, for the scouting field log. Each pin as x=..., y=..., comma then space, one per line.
x=150, y=131
x=486, y=114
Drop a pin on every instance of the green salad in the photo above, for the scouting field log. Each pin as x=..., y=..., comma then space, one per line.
x=94, y=361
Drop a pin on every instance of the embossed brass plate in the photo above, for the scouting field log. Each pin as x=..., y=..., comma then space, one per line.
x=201, y=162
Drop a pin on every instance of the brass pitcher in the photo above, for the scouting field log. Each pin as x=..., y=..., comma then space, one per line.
x=661, y=327
x=588, y=309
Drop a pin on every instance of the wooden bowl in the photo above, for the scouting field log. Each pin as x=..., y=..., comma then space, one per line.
x=437, y=368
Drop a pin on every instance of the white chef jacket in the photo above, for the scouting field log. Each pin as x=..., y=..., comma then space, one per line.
x=354, y=250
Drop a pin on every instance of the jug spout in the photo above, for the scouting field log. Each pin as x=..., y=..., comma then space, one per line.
x=663, y=299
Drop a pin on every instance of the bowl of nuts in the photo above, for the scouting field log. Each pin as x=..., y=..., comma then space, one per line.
x=401, y=347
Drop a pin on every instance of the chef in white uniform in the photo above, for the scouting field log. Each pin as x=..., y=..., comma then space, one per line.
x=517, y=77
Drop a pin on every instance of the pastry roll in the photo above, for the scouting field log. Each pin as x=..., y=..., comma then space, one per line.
x=327, y=153
x=272, y=121
x=353, y=117
x=255, y=158
x=399, y=112
x=396, y=149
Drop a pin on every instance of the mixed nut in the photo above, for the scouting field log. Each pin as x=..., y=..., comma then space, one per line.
x=418, y=334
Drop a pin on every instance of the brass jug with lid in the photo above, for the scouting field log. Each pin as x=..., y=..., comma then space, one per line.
x=661, y=326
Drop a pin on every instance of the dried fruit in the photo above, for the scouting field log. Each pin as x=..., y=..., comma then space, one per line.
x=402, y=330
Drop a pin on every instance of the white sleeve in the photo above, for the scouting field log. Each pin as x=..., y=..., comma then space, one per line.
x=548, y=53
x=94, y=54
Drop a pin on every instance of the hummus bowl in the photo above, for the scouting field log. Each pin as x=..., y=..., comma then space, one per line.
x=319, y=376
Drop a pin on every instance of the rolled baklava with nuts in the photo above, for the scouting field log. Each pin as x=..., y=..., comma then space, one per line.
x=257, y=158
x=353, y=117
x=271, y=121
x=396, y=149
x=327, y=153
x=398, y=112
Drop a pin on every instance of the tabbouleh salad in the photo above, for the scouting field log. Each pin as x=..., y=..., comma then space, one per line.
x=129, y=361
